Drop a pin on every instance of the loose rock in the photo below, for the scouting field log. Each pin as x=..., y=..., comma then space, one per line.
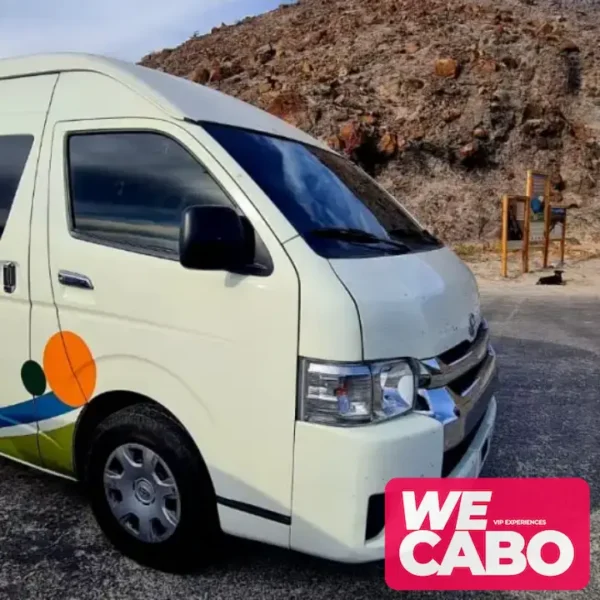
x=446, y=67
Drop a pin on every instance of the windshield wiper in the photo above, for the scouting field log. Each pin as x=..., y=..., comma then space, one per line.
x=423, y=235
x=357, y=236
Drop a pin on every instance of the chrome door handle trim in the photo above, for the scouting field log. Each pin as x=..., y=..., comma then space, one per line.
x=75, y=280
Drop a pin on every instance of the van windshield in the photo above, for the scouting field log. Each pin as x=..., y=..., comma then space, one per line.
x=338, y=209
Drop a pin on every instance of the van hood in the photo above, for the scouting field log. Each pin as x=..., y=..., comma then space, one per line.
x=415, y=305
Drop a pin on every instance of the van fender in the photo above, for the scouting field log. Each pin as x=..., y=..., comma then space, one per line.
x=130, y=374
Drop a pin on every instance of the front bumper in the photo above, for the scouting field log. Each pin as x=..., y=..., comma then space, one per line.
x=339, y=473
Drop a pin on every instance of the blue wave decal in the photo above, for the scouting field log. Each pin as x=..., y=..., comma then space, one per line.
x=38, y=409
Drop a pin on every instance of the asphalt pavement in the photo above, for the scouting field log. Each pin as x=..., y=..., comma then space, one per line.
x=548, y=425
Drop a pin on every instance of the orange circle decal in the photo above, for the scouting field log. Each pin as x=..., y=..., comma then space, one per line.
x=70, y=368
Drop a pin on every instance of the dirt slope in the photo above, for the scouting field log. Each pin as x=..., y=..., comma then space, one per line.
x=447, y=102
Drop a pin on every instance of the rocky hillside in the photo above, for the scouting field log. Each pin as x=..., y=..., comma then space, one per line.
x=446, y=102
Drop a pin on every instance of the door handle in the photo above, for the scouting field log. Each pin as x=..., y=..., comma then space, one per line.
x=75, y=280
x=9, y=276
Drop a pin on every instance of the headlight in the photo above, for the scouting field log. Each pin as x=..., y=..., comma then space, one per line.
x=346, y=395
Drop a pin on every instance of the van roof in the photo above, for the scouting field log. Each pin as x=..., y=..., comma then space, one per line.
x=176, y=96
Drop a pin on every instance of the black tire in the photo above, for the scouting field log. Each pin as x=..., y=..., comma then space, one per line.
x=197, y=539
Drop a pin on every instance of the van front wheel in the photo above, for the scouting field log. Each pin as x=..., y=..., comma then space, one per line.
x=150, y=490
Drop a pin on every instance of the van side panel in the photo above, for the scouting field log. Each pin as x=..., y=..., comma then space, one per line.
x=217, y=350
x=26, y=96
x=76, y=95
x=24, y=105
x=86, y=95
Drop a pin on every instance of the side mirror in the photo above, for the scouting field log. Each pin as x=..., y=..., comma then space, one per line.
x=214, y=238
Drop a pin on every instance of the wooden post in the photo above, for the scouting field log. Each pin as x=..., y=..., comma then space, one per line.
x=504, y=236
x=528, y=193
x=547, y=219
x=527, y=217
x=563, y=240
x=529, y=186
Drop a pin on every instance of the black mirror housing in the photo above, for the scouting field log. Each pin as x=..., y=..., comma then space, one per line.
x=214, y=238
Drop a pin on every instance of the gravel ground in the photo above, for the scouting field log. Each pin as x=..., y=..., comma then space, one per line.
x=548, y=425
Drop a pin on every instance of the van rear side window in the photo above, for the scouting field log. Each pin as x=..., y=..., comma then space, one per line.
x=129, y=189
x=14, y=152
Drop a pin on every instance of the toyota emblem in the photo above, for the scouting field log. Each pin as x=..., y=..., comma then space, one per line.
x=472, y=326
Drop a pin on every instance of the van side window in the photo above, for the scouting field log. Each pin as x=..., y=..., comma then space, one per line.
x=129, y=189
x=14, y=151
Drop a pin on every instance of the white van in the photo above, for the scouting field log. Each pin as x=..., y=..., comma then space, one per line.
x=216, y=323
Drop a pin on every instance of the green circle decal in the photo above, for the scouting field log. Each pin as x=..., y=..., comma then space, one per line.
x=33, y=378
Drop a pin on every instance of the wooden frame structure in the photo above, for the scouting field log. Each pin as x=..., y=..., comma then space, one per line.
x=538, y=185
x=547, y=232
x=507, y=201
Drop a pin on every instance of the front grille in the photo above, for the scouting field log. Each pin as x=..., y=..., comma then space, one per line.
x=459, y=360
x=457, y=352
x=453, y=456
x=462, y=384
x=458, y=387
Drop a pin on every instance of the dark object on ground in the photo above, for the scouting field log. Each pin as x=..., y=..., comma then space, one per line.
x=555, y=279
